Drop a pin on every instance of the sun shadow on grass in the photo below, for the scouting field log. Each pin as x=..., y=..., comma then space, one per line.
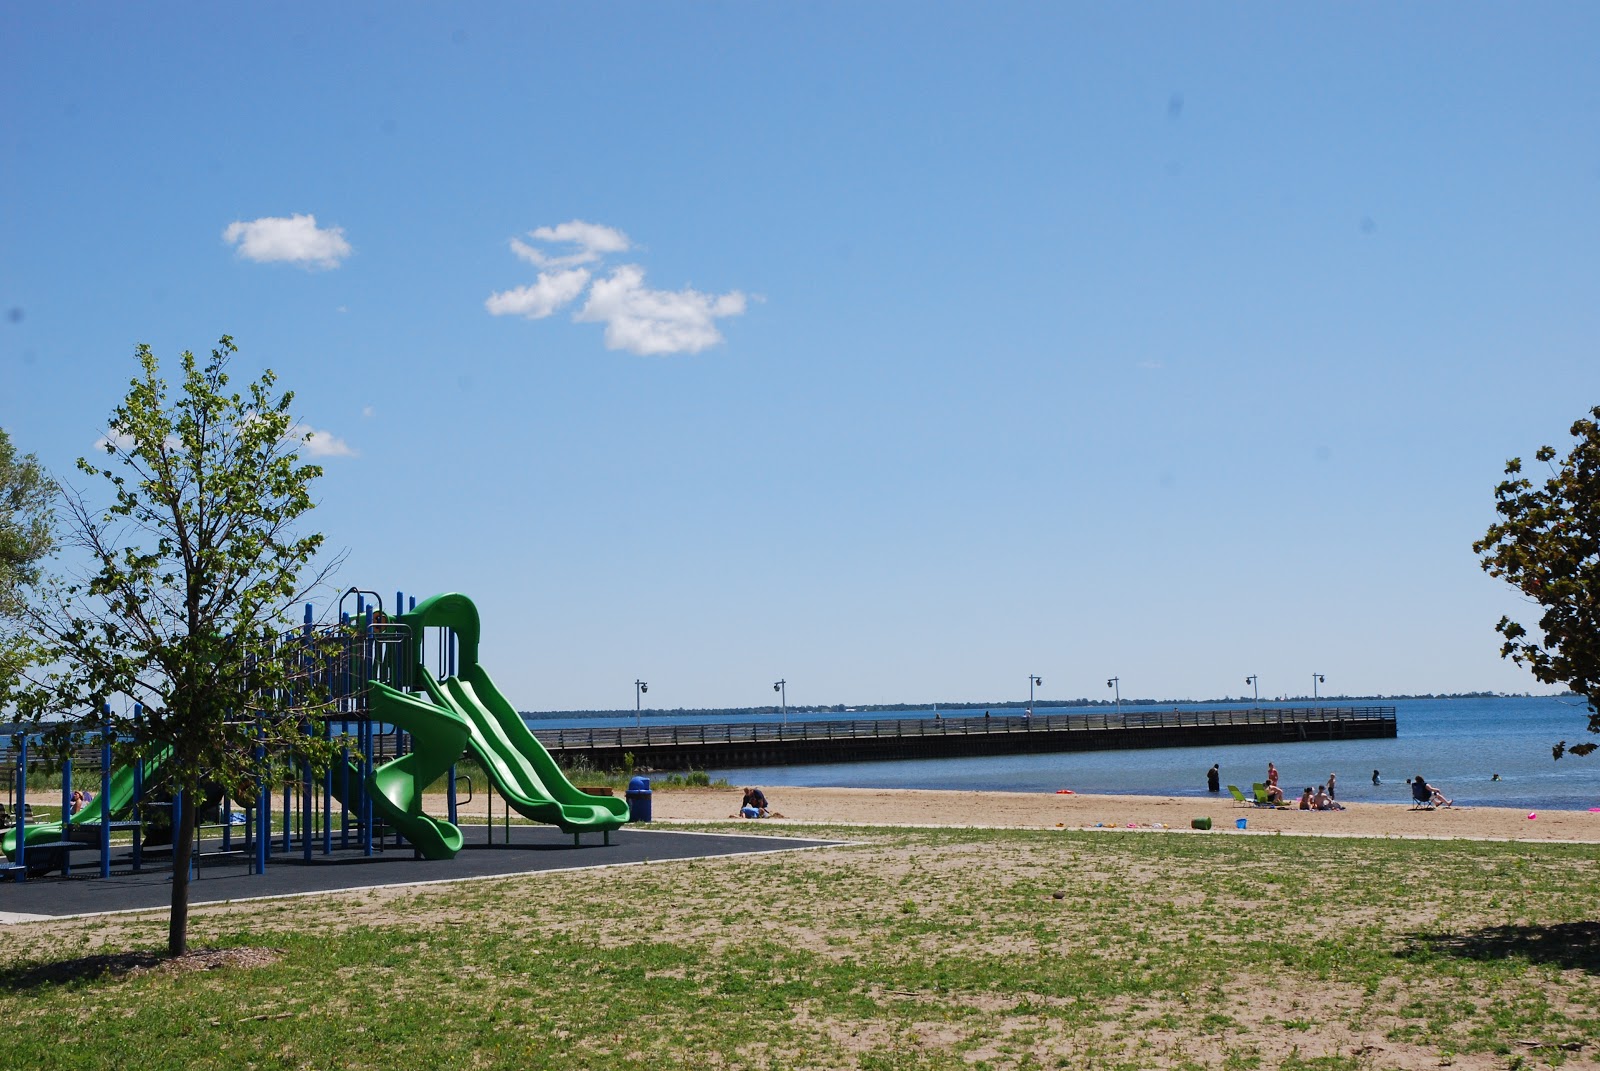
x=118, y=965
x=1569, y=945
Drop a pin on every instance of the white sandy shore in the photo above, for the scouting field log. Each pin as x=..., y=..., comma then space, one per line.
x=1026, y=810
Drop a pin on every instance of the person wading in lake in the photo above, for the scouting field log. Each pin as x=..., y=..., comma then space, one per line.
x=1214, y=778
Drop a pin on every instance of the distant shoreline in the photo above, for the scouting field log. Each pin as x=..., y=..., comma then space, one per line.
x=1019, y=704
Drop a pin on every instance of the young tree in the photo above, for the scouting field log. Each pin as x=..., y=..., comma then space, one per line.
x=25, y=538
x=1547, y=544
x=193, y=567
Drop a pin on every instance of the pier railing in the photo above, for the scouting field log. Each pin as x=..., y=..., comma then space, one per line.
x=654, y=736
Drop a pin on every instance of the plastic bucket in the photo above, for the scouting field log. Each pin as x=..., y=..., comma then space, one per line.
x=1241, y=823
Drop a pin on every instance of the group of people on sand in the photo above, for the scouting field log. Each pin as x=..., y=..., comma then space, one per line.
x=1325, y=797
x=754, y=805
x=1320, y=798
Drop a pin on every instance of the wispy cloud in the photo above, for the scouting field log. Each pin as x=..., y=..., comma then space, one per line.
x=592, y=241
x=637, y=318
x=317, y=443
x=290, y=239
x=545, y=295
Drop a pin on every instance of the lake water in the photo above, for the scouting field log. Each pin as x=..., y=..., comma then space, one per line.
x=1457, y=744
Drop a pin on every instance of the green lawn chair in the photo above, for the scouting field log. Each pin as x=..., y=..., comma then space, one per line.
x=1262, y=799
x=1238, y=797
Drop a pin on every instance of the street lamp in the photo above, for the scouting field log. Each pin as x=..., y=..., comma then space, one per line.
x=1316, y=679
x=1033, y=678
x=1251, y=680
x=639, y=688
x=1116, y=682
x=782, y=688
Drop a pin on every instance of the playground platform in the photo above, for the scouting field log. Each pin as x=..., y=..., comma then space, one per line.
x=220, y=878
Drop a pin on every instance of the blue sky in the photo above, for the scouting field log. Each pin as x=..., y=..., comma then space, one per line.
x=898, y=350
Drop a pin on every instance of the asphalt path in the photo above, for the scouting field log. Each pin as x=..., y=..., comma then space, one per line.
x=223, y=878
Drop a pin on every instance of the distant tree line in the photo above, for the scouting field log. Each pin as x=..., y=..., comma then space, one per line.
x=1009, y=704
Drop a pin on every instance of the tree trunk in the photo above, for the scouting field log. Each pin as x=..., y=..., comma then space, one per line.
x=182, y=851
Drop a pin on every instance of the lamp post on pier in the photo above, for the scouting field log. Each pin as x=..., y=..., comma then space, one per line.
x=1116, y=682
x=1033, y=678
x=639, y=688
x=1254, y=683
x=782, y=688
x=1316, y=679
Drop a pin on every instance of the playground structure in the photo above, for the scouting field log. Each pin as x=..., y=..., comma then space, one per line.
x=406, y=726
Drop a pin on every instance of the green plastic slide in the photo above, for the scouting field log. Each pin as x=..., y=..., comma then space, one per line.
x=438, y=736
x=521, y=768
x=120, y=797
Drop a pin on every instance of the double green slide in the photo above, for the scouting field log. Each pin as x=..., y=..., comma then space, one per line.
x=466, y=712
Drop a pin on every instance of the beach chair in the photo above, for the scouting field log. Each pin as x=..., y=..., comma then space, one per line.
x=1421, y=798
x=1262, y=799
x=1239, y=797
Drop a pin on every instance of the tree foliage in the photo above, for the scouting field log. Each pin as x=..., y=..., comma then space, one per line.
x=192, y=568
x=26, y=493
x=1547, y=544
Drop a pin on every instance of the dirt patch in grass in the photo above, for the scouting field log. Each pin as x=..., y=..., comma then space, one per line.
x=131, y=964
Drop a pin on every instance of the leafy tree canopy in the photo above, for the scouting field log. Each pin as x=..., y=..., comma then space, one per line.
x=25, y=539
x=1547, y=544
x=192, y=567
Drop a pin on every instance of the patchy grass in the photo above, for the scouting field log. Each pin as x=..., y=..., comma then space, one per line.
x=905, y=949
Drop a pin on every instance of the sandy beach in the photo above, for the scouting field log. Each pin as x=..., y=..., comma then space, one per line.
x=1020, y=810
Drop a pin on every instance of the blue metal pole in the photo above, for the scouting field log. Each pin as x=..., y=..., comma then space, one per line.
x=177, y=822
x=263, y=816
x=66, y=796
x=105, y=792
x=22, y=809
x=327, y=795
x=138, y=792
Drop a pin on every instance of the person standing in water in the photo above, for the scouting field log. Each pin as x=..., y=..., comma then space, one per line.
x=1214, y=778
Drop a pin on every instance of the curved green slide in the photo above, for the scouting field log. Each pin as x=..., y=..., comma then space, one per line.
x=520, y=766
x=438, y=737
x=120, y=797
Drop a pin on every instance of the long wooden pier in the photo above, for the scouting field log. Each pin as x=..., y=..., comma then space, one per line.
x=704, y=747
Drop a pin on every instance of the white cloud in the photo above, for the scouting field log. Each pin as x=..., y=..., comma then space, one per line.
x=593, y=242
x=316, y=443
x=645, y=321
x=637, y=318
x=547, y=294
x=295, y=239
x=117, y=440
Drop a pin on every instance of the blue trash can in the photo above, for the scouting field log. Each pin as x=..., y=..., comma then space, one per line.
x=639, y=799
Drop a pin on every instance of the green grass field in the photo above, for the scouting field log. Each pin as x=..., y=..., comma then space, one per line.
x=903, y=949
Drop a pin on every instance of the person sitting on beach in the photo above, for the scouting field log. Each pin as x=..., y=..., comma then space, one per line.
x=1423, y=792
x=77, y=801
x=1324, y=802
x=1305, y=799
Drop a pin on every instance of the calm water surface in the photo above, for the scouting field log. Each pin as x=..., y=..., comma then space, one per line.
x=1457, y=744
